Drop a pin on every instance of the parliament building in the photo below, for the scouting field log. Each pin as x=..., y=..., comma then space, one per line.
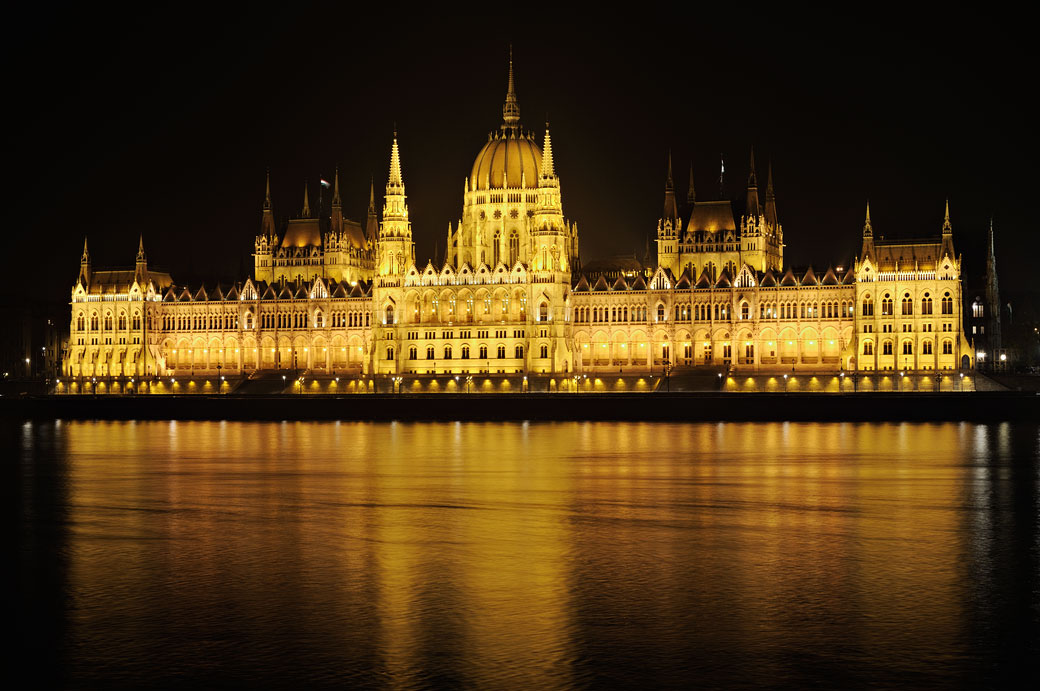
x=344, y=305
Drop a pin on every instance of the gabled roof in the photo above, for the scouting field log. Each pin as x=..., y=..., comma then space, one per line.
x=638, y=283
x=724, y=280
x=789, y=279
x=809, y=279
x=704, y=281
x=849, y=278
x=829, y=278
x=620, y=284
x=582, y=286
x=768, y=279
x=601, y=285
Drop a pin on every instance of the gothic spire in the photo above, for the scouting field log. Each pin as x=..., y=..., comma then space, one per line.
x=752, y=189
x=548, y=170
x=140, y=248
x=947, y=228
x=267, y=192
x=306, y=213
x=771, y=216
x=511, y=109
x=395, y=165
x=335, y=188
x=868, y=230
x=86, y=254
x=691, y=195
x=671, y=210
x=372, y=195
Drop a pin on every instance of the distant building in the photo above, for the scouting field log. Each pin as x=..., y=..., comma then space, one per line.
x=332, y=298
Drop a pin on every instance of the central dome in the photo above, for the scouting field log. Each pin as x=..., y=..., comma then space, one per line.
x=505, y=160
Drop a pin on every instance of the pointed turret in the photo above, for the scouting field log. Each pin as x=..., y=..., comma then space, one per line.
x=947, y=235
x=141, y=264
x=372, y=227
x=396, y=180
x=671, y=209
x=752, y=190
x=993, y=313
x=548, y=169
x=771, y=217
x=394, y=242
x=84, y=264
x=267, y=218
x=867, y=249
x=306, y=213
x=691, y=194
x=511, y=108
x=336, y=222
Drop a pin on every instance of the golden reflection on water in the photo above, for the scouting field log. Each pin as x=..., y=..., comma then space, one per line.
x=518, y=554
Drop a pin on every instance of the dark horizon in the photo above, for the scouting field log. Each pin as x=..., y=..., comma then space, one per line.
x=167, y=129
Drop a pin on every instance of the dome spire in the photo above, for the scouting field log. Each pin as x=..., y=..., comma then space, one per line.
x=511, y=109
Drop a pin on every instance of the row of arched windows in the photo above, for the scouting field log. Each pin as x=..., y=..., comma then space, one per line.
x=96, y=321
x=616, y=313
x=908, y=347
x=448, y=352
x=906, y=305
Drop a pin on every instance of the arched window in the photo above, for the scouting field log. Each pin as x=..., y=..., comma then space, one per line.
x=868, y=348
x=497, y=250
x=518, y=352
x=977, y=309
x=413, y=353
x=947, y=347
x=447, y=352
x=886, y=348
x=483, y=352
x=137, y=321
x=544, y=351
x=501, y=352
x=319, y=320
x=543, y=312
x=122, y=321
x=908, y=304
x=81, y=323
x=660, y=312
x=926, y=304
x=108, y=322
x=886, y=305
x=430, y=353
x=390, y=353
x=926, y=348
x=465, y=352
x=389, y=314
x=947, y=304
x=908, y=348
x=745, y=311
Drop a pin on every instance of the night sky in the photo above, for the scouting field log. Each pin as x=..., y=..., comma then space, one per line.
x=164, y=124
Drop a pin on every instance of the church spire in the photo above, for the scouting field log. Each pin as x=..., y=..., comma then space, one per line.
x=511, y=108
x=691, y=195
x=752, y=189
x=140, y=248
x=267, y=217
x=548, y=170
x=868, y=230
x=335, y=189
x=947, y=228
x=306, y=213
x=85, y=258
x=141, y=264
x=267, y=192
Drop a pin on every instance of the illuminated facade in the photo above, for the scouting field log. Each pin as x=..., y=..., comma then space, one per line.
x=329, y=298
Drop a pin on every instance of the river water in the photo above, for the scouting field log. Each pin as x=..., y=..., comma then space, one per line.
x=515, y=555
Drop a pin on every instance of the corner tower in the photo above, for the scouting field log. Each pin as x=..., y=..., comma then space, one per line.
x=395, y=251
